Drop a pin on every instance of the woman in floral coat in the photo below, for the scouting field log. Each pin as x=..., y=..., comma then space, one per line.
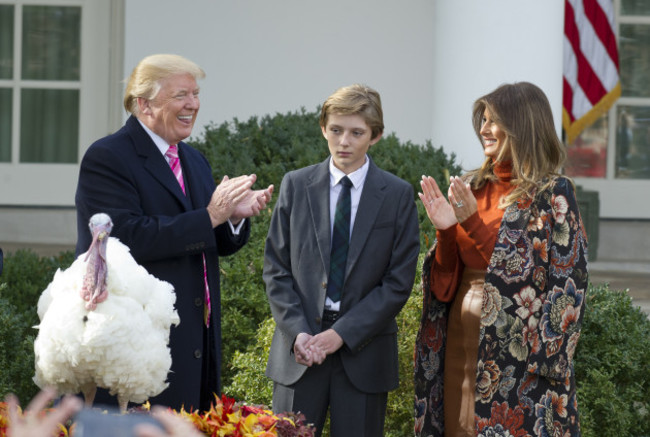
x=504, y=283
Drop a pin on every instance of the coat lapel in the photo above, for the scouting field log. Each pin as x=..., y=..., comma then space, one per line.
x=371, y=200
x=318, y=189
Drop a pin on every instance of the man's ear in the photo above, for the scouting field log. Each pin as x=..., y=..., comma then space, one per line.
x=144, y=106
x=323, y=129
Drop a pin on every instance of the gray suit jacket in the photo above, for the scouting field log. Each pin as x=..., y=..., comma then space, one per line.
x=380, y=271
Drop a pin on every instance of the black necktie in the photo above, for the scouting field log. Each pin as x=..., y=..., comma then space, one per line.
x=340, y=242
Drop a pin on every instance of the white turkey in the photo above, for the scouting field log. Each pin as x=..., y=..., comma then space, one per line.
x=104, y=322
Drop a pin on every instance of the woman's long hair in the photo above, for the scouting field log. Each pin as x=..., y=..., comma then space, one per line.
x=523, y=112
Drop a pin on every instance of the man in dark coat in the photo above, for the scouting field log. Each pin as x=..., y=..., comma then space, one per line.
x=170, y=214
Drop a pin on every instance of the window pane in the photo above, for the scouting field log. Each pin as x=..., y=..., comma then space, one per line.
x=49, y=125
x=633, y=142
x=587, y=156
x=5, y=125
x=6, y=41
x=51, y=42
x=634, y=46
x=635, y=7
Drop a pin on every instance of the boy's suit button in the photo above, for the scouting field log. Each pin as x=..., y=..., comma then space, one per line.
x=318, y=320
x=323, y=284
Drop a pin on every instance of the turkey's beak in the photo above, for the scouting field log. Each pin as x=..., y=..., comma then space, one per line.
x=100, y=233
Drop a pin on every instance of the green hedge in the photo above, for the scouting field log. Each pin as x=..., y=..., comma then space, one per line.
x=612, y=366
x=25, y=276
x=17, y=357
x=612, y=357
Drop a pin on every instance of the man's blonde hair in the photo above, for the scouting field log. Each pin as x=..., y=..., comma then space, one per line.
x=146, y=77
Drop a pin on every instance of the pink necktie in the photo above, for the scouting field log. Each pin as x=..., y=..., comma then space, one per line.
x=175, y=164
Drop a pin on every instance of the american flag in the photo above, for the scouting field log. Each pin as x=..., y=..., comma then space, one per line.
x=591, y=78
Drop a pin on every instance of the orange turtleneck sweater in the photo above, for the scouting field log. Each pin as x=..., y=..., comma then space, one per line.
x=471, y=242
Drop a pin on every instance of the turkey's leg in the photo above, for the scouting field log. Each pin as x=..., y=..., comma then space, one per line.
x=89, y=392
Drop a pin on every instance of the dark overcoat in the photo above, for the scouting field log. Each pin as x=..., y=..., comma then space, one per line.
x=126, y=176
x=532, y=312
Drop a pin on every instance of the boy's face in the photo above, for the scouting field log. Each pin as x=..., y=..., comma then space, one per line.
x=348, y=138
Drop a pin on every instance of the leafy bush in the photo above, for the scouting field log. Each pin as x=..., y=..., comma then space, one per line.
x=399, y=411
x=268, y=146
x=612, y=366
x=27, y=274
x=243, y=295
x=24, y=277
x=17, y=357
x=249, y=382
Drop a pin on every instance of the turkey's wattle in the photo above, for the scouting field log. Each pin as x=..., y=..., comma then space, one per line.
x=94, y=285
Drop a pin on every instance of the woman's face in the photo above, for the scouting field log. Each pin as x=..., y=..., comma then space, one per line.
x=492, y=134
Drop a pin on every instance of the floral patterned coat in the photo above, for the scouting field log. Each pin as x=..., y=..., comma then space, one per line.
x=532, y=311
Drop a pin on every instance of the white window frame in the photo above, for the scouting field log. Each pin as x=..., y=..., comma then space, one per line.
x=102, y=36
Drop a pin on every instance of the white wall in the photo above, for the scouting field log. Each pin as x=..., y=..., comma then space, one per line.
x=429, y=59
x=479, y=45
x=263, y=57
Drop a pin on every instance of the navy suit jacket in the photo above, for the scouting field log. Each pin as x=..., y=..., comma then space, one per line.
x=125, y=176
x=380, y=271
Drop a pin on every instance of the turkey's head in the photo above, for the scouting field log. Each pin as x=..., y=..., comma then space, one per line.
x=94, y=288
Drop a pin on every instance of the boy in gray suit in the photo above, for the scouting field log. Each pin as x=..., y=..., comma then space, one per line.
x=339, y=265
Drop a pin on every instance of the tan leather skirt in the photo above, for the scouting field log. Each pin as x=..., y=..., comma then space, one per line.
x=461, y=355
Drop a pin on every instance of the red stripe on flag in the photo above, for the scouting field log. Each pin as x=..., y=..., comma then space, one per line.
x=587, y=79
x=603, y=29
x=600, y=96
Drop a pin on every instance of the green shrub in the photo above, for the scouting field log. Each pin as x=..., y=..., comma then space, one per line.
x=27, y=274
x=17, y=357
x=268, y=146
x=24, y=277
x=243, y=295
x=612, y=366
x=249, y=381
x=399, y=411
